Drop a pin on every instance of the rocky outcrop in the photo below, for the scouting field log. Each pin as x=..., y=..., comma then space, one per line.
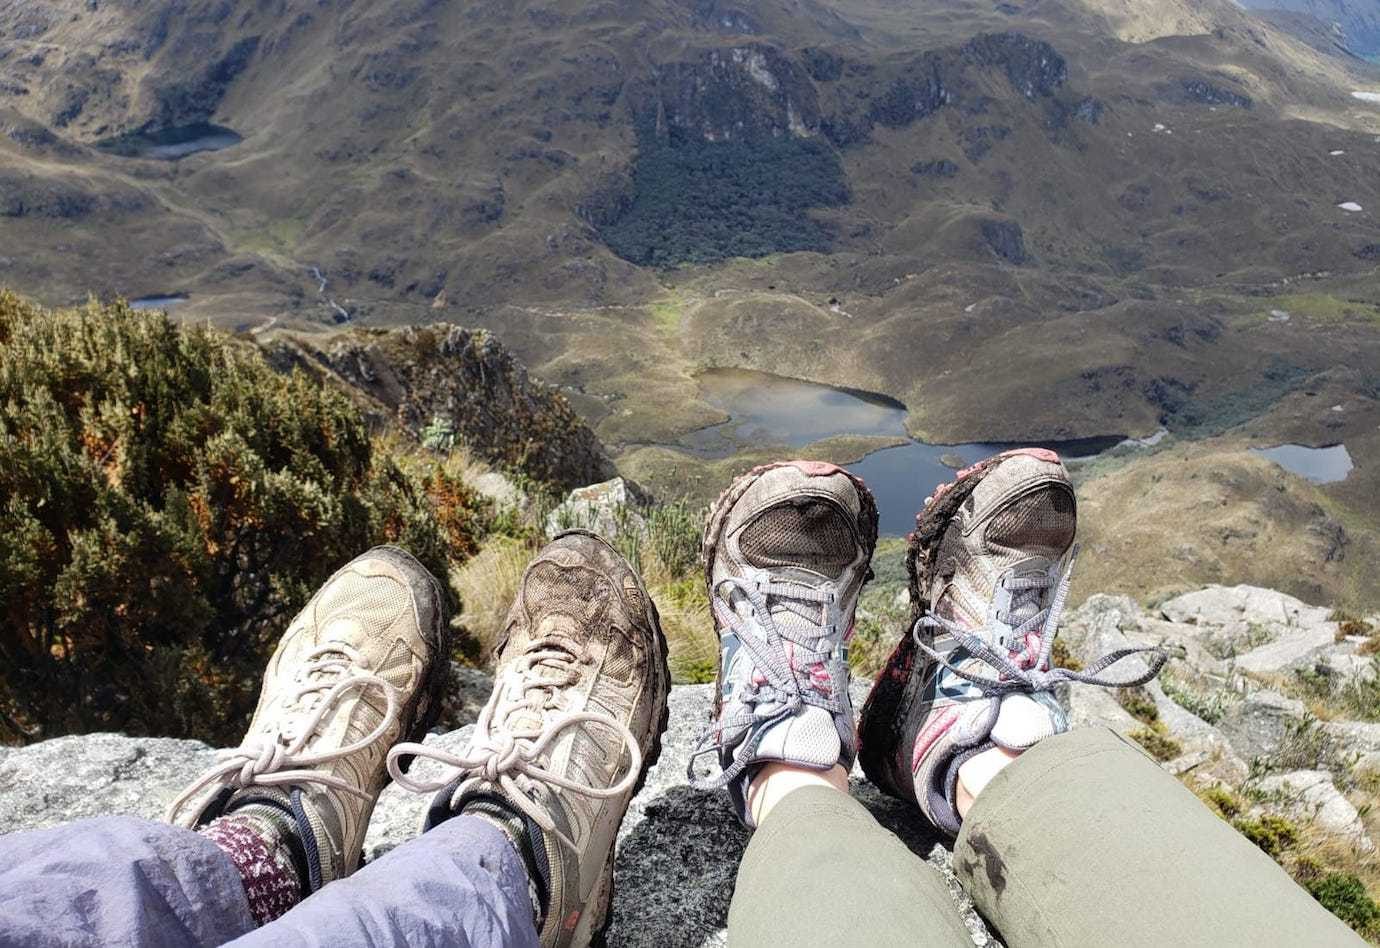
x=609, y=509
x=1006, y=240
x=741, y=93
x=1311, y=795
x=461, y=387
x=679, y=848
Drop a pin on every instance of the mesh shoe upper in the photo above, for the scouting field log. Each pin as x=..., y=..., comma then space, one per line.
x=358, y=669
x=575, y=718
x=787, y=549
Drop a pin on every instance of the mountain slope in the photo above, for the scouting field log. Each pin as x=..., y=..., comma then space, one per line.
x=1034, y=220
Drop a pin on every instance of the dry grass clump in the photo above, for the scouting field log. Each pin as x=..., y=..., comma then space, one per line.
x=665, y=551
x=487, y=584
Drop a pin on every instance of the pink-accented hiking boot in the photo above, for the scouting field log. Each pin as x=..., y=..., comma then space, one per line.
x=787, y=549
x=989, y=566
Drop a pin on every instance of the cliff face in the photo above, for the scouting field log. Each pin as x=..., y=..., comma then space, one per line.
x=456, y=386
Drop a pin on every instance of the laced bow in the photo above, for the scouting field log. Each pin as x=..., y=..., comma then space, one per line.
x=330, y=671
x=787, y=685
x=502, y=755
x=1029, y=675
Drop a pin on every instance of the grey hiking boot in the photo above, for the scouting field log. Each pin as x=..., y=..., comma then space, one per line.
x=989, y=565
x=787, y=549
x=574, y=723
x=361, y=667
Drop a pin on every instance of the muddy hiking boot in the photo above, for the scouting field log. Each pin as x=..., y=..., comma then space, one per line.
x=574, y=723
x=787, y=549
x=989, y=563
x=360, y=668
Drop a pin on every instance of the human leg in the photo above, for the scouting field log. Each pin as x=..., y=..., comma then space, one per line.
x=788, y=548
x=1063, y=838
x=1086, y=840
x=360, y=668
x=282, y=814
x=575, y=720
x=118, y=880
x=462, y=884
x=820, y=870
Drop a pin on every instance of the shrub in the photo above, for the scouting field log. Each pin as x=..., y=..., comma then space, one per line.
x=1210, y=705
x=1226, y=803
x=1156, y=740
x=673, y=532
x=1273, y=834
x=1061, y=657
x=1345, y=896
x=168, y=503
x=1139, y=704
x=698, y=201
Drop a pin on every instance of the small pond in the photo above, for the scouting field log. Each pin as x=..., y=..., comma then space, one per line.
x=158, y=302
x=1319, y=465
x=771, y=409
x=170, y=144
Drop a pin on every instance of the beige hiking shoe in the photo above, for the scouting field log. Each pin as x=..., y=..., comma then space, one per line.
x=361, y=667
x=787, y=551
x=989, y=564
x=573, y=725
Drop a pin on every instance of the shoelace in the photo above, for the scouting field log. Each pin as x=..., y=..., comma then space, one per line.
x=331, y=671
x=759, y=634
x=1016, y=676
x=498, y=754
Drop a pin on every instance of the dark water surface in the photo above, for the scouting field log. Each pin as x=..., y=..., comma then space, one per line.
x=158, y=302
x=170, y=144
x=771, y=409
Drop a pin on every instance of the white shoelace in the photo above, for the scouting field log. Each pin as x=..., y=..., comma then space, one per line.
x=501, y=755
x=330, y=671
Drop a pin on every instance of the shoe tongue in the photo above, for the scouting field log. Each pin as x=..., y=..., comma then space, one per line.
x=557, y=633
x=1026, y=603
x=795, y=615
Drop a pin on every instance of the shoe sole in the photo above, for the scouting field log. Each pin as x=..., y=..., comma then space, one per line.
x=885, y=717
x=601, y=918
x=718, y=520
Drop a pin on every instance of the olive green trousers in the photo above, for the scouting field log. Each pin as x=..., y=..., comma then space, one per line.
x=1082, y=841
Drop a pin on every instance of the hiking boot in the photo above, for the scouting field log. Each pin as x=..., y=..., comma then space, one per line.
x=989, y=566
x=787, y=549
x=566, y=739
x=361, y=667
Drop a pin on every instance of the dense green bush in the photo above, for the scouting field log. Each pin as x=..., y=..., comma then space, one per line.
x=1345, y=896
x=167, y=503
x=699, y=201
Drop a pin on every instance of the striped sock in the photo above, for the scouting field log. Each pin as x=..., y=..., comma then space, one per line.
x=256, y=839
x=528, y=844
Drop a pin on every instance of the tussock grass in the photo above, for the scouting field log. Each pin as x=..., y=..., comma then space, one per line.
x=1333, y=695
x=660, y=541
x=487, y=584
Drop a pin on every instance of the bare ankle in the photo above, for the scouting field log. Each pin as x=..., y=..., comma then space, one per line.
x=774, y=781
x=977, y=772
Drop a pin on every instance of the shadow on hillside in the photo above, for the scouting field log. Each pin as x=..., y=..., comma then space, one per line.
x=675, y=870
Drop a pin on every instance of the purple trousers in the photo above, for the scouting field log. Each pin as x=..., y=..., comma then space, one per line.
x=119, y=880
